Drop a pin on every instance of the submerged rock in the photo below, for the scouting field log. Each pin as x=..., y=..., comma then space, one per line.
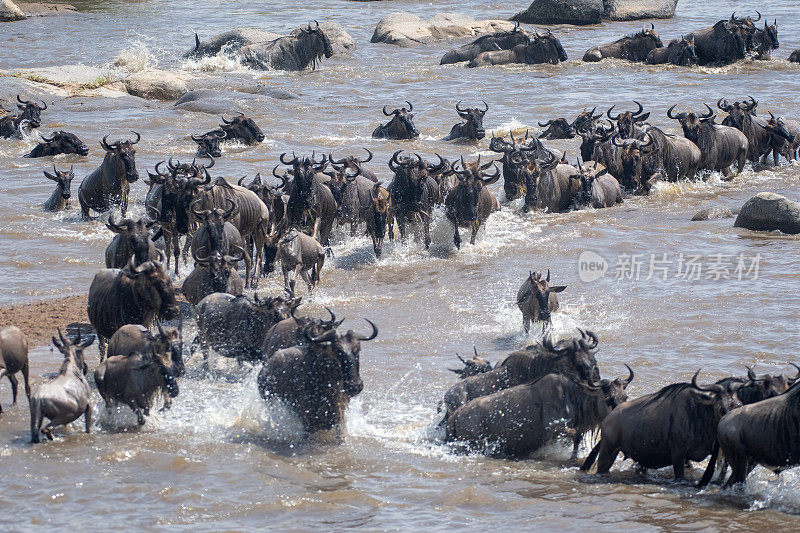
x=639, y=9
x=10, y=12
x=153, y=84
x=224, y=102
x=45, y=10
x=579, y=12
x=715, y=211
x=768, y=211
x=407, y=29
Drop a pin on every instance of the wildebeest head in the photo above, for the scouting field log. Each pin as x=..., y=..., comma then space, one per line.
x=764, y=386
x=221, y=266
x=691, y=122
x=125, y=153
x=352, y=162
x=771, y=35
x=612, y=390
x=136, y=235
x=208, y=143
x=214, y=220
x=627, y=121
x=557, y=129
x=592, y=136
x=168, y=343
x=279, y=307
x=340, y=177
x=181, y=183
x=528, y=171
x=73, y=349
x=60, y=142
x=585, y=121
x=381, y=202
x=777, y=126
x=31, y=112
x=538, y=287
x=545, y=49
x=722, y=398
x=303, y=170
x=63, y=179
x=242, y=128
x=738, y=33
x=268, y=193
x=411, y=174
x=472, y=367
x=737, y=111
x=344, y=350
x=314, y=44
x=632, y=154
x=402, y=124
x=578, y=354
x=473, y=127
x=587, y=173
x=472, y=178
x=153, y=283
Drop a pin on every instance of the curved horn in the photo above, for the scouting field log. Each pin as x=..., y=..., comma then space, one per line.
x=797, y=376
x=197, y=139
x=372, y=336
x=51, y=139
x=608, y=113
x=387, y=114
x=202, y=214
x=228, y=212
x=485, y=105
x=410, y=107
x=751, y=375
x=752, y=105
x=290, y=162
x=369, y=156
x=545, y=124
x=459, y=110
x=639, y=112
x=592, y=338
x=21, y=101
x=724, y=105
x=332, y=320
x=138, y=137
x=225, y=121
x=626, y=382
x=614, y=139
x=710, y=112
x=105, y=145
x=698, y=387
x=670, y=115
x=759, y=16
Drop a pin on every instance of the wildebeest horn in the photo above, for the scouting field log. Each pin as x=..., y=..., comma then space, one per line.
x=235, y=258
x=172, y=166
x=710, y=112
x=410, y=107
x=724, y=105
x=698, y=387
x=227, y=213
x=751, y=375
x=546, y=123
x=674, y=117
x=591, y=337
x=752, y=105
x=639, y=112
x=626, y=382
x=797, y=376
x=460, y=111
x=547, y=279
x=225, y=121
x=436, y=168
x=372, y=336
x=291, y=162
x=334, y=161
x=759, y=16
x=485, y=105
x=21, y=101
x=64, y=340
x=608, y=113
x=332, y=320
x=327, y=336
x=388, y=114
x=198, y=213
x=488, y=179
x=114, y=226
x=105, y=145
x=202, y=261
x=138, y=137
x=239, y=183
x=614, y=139
x=51, y=139
x=197, y=139
x=369, y=156
x=394, y=160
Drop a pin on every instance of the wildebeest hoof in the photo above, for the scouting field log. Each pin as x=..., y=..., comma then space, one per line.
x=48, y=434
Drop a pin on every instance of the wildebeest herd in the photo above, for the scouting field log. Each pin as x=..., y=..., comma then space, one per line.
x=545, y=392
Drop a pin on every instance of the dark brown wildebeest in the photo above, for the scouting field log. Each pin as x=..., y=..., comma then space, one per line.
x=631, y=47
x=504, y=40
x=216, y=233
x=656, y=155
x=536, y=299
x=586, y=120
x=59, y=198
x=470, y=203
x=136, y=380
x=571, y=357
x=667, y=428
x=400, y=127
x=134, y=338
x=629, y=122
x=311, y=205
x=208, y=143
x=413, y=194
x=242, y=128
x=542, y=49
x=291, y=331
x=529, y=171
x=109, y=185
x=236, y=326
x=132, y=240
x=785, y=137
x=723, y=43
x=794, y=57
x=513, y=186
x=472, y=367
x=763, y=42
x=593, y=136
x=293, y=52
x=213, y=273
x=557, y=128
x=132, y=295
x=517, y=421
x=13, y=359
x=720, y=146
x=300, y=254
x=598, y=188
x=472, y=128
x=67, y=397
x=30, y=115
x=681, y=52
x=377, y=216
x=351, y=192
x=356, y=164
x=556, y=188
x=60, y=142
x=317, y=380
x=741, y=115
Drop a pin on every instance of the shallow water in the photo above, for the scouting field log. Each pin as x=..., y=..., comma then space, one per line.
x=222, y=459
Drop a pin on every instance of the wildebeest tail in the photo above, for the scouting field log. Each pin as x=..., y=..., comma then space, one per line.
x=712, y=463
x=36, y=418
x=592, y=457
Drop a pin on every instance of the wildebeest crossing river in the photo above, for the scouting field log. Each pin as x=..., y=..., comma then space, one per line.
x=223, y=459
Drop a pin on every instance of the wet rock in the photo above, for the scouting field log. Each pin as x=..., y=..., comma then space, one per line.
x=341, y=41
x=223, y=102
x=795, y=56
x=768, y=211
x=579, y=12
x=69, y=75
x=715, y=211
x=231, y=41
x=407, y=29
x=10, y=12
x=153, y=84
x=45, y=10
x=639, y=9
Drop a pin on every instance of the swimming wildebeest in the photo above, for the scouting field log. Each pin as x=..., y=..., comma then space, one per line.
x=557, y=128
x=503, y=40
x=472, y=367
x=741, y=115
x=571, y=357
x=215, y=272
x=794, y=57
x=300, y=254
x=667, y=428
x=132, y=239
x=556, y=188
x=132, y=295
x=317, y=380
x=472, y=129
x=241, y=128
x=536, y=299
x=59, y=198
x=413, y=193
x=311, y=205
x=30, y=115
x=629, y=122
x=216, y=233
x=293, y=52
x=723, y=43
x=60, y=142
x=291, y=331
x=109, y=185
x=208, y=143
x=542, y=49
x=514, y=155
x=134, y=338
x=763, y=42
x=470, y=203
x=377, y=216
x=517, y=421
x=680, y=52
x=785, y=137
x=599, y=189
x=631, y=47
x=67, y=397
x=400, y=127
x=13, y=359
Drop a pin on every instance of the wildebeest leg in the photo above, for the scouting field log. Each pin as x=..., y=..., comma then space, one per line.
x=427, y=232
x=678, y=464
x=526, y=324
x=87, y=418
x=457, y=238
x=14, y=384
x=36, y=423
x=775, y=156
x=186, y=248
x=102, y=343
x=474, y=233
x=709, y=473
x=726, y=174
x=738, y=470
x=306, y=278
x=576, y=443
x=25, y=379
x=587, y=463
x=742, y=160
x=606, y=457
x=353, y=227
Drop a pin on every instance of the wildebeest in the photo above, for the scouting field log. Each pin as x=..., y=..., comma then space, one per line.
x=472, y=129
x=241, y=128
x=504, y=40
x=517, y=421
x=351, y=192
x=794, y=57
x=472, y=367
x=13, y=359
x=720, y=146
x=593, y=136
x=311, y=205
x=294, y=331
x=598, y=188
x=529, y=171
x=30, y=115
x=293, y=52
x=215, y=272
x=586, y=120
x=59, y=198
x=631, y=47
x=208, y=143
x=60, y=142
x=132, y=240
x=542, y=49
x=741, y=115
x=135, y=338
x=67, y=397
x=136, y=380
x=723, y=43
x=571, y=357
x=412, y=193
x=680, y=52
x=536, y=299
x=470, y=203
x=300, y=254
x=514, y=156
x=670, y=427
x=763, y=42
x=317, y=380
x=400, y=127
x=557, y=129
x=785, y=137
x=132, y=295
x=629, y=122
x=556, y=188
x=356, y=164
x=216, y=233
x=377, y=216
x=109, y=185
x=236, y=326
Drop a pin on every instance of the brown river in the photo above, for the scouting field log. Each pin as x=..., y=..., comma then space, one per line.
x=222, y=459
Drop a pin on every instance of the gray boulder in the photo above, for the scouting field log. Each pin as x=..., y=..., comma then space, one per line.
x=768, y=211
x=10, y=12
x=407, y=29
x=578, y=12
x=639, y=9
x=45, y=10
x=153, y=84
x=715, y=211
